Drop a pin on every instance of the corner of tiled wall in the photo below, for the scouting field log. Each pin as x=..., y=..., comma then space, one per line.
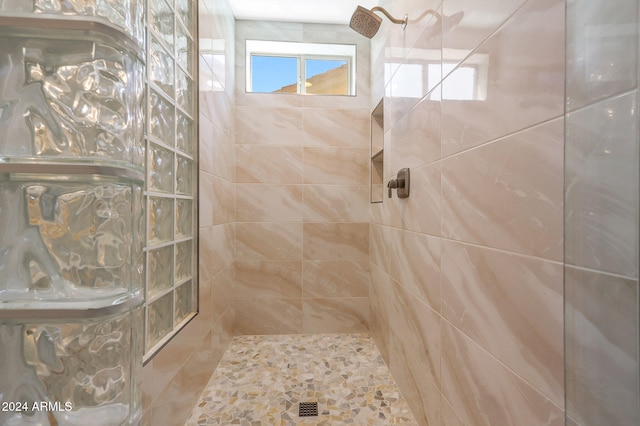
x=175, y=377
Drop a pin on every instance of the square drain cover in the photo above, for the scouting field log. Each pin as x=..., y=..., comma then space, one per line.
x=308, y=409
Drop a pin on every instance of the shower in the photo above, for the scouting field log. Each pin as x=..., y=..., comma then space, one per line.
x=367, y=23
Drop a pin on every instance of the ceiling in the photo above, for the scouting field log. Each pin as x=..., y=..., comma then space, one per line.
x=317, y=11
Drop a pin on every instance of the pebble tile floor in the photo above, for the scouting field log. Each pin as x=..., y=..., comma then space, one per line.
x=261, y=381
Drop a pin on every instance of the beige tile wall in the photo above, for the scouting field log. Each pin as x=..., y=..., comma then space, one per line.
x=302, y=198
x=175, y=377
x=466, y=274
x=601, y=216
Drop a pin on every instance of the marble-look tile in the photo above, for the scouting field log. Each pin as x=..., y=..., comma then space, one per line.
x=601, y=158
x=414, y=353
x=512, y=305
x=216, y=249
x=175, y=403
x=269, y=126
x=336, y=203
x=268, y=203
x=336, y=241
x=415, y=138
x=415, y=263
x=267, y=316
x=477, y=21
x=420, y=212
x=206, y=199
x=499, y=195
x=206, y=144
x=262, y=379
x=223, y=192
x=484, y=392
x=448, y=414
x=378, y=246
x=335, y=315
x=268, y=164
x=519, y=80
x=379, y=316
x=336, y=165
x=336, y=127
x=221, y=294
x=602, y=50
x=331, y=278
x=268, y=278
x=602, y=348
x=268, y=241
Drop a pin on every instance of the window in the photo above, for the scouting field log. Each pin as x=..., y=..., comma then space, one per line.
x=304, y=68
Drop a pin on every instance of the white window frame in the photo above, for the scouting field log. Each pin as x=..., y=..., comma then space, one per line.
x=302, y=52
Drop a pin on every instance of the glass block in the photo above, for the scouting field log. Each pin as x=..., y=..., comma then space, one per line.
x=160, y=270
x=184, y=256
x=184, y=176
x=184, y=218
x=161, y=67
x=139, y=113
x=67, y=241
x=161, y=20
x=160, y=169
x=161, y=118
x=68, y=98
x=160, y=319
x=185, y=11
x=160, y=220
x=138, y=240
x=94, y=365
x=184, y=301
x=184, y=91
x=184, y=134
x=184, y=49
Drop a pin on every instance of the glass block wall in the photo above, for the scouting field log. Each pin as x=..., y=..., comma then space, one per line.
x=171, y=282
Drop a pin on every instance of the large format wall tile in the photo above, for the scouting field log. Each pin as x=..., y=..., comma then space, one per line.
x=268, y=241
x=512, y=306
x=268, y=203
x=414, y=352
x=506, y=194
x=336, y=203
x=415, y=263
x=602, y=348
x=523, y=83
x=336, y=127
x=601, y=186
x=345, y=166
x=268, y=278
x=602, y=50
x=331, y=278
x=269, y=126
x=268, y=164
x=335, y=315
x=276, y=316
x=484, y=392
x=336, y=241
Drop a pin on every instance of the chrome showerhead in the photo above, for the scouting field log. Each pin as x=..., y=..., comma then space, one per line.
x=367, y=23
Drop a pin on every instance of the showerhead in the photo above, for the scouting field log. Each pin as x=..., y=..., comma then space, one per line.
x=367, y=23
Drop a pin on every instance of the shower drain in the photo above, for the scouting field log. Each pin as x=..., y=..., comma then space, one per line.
x=308, y=409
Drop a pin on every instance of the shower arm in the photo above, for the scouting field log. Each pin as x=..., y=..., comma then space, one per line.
x=391, y=18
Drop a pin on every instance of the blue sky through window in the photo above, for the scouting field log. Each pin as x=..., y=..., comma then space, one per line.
x=271, y=73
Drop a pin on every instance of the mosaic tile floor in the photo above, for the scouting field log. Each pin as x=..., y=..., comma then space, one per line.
x=261, y=380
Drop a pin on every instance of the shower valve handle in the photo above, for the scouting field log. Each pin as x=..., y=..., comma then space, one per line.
x=401, y=183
